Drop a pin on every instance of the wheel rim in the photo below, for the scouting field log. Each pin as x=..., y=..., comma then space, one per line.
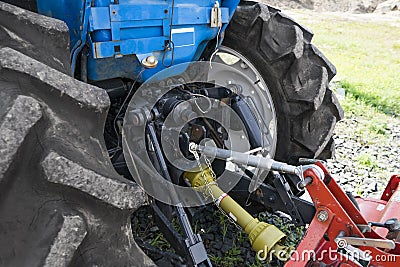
x=255, y=92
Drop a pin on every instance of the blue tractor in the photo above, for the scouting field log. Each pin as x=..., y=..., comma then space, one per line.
x=68, y=73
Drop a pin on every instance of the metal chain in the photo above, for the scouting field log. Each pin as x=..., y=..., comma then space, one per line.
x=193, y=150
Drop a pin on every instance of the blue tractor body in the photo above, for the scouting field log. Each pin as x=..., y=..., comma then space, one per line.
x=115, y=36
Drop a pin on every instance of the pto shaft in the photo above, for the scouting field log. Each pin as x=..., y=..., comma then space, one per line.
x=263, y=237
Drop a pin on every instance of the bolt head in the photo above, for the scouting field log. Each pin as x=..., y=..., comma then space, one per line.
x=135, y=120
x=150, y=62
x=151, y=59
x=322, y=216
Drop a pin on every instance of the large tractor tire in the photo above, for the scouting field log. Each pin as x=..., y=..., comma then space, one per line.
x=297, y=76
x=61, y=202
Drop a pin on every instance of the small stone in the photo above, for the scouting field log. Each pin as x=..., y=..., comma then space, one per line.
x=218, y=245
x=209, y=237
x=372, y=187
x=153, y=229
x=225, y=248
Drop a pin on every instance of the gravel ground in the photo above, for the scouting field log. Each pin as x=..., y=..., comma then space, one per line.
x=367, y=154
x=226, y=244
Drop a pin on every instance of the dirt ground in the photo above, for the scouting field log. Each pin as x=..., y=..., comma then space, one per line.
x=392, y=18
x=379, y=10
x=357, y=6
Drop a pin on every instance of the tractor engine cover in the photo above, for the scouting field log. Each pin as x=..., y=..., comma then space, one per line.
x=120, y=36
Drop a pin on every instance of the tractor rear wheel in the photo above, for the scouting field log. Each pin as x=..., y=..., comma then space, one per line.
x=61, y=202
x=296, y=75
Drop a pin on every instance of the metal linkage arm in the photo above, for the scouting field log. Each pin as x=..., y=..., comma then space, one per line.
x=192, y=245
x=245, y=159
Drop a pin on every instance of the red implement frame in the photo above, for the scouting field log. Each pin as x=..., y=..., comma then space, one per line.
x=336, y=215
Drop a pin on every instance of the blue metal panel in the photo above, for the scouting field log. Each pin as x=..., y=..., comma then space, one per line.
x=99, y=24
x=189, y=15
x=142, y=11
x=120, y=35
x=69, y=11
x=151, y=31
x=127, y=47
x=183, y=37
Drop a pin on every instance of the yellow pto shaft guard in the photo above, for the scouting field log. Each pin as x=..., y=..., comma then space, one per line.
x=265, y=238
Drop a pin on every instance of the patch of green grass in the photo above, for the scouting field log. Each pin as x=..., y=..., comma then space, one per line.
x=360, y=189
x=371, y=123
x=233, y=256
x=230, y=258
x=258, y=263
x=367, y=160
x=222, y=222
x=366, y=55
x=396, y=46
x=379, y=101
x=160, y=242
x=241, y=238
x=379, y=128
x=293, y=233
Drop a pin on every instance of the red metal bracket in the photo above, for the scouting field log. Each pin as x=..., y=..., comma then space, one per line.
x=391, y=187
x=340, y=215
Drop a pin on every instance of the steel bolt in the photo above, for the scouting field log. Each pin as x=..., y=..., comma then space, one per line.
x=150, y=62
x=151, y=59
x=322, y=216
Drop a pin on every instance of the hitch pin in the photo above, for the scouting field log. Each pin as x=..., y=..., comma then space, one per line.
x=303, y=183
